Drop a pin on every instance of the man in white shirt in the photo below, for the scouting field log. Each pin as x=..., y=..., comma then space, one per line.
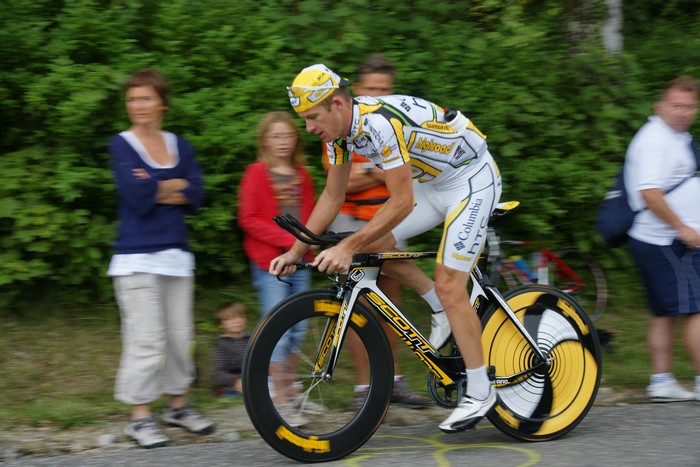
x=665, y=237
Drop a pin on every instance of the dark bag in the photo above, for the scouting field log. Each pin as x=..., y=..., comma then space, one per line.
x=615, y=216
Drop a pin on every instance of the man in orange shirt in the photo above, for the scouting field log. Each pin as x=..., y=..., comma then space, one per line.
x=366, y=193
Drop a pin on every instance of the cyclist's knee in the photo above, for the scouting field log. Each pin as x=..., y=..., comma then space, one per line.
x=451, y=286
x=451, y=297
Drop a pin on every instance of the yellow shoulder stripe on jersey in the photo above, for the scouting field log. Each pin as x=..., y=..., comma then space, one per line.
x=366, y=108
x=341, y=155
x=411, y=139
x=398, y=132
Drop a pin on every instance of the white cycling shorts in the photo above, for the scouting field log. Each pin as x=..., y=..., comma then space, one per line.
x=464, y=203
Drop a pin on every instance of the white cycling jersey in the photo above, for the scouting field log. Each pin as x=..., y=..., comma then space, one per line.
x=393, y=130
x=459, y=180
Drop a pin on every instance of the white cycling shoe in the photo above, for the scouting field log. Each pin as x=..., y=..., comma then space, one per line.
x=439, y=329
x=468, y=412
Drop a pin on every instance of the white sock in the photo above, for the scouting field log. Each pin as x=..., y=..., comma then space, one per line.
x=433, y=300
x=478, y=384
x=697, y=381
x=662, y=378
x=361, y=387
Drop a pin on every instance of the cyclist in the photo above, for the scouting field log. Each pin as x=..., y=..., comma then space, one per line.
x=366, y=193
x=457, y=182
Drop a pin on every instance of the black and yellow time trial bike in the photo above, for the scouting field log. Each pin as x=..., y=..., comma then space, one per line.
x=540, y=347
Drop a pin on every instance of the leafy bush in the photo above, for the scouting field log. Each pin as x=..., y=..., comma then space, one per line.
x=559, y=111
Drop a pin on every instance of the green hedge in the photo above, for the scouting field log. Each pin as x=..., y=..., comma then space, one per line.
x=558, y=113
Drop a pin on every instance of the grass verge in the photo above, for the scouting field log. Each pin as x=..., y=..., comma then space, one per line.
x=57, y=363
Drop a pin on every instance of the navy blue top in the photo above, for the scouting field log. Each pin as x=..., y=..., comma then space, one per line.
x=144, y=225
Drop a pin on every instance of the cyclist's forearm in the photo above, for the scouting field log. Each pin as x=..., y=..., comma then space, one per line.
x=331, y=200
x=323, y=214
x=398, y=181
x=379, y=226
x=299, y=248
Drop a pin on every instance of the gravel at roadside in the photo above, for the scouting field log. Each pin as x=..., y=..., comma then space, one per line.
x=232, y=424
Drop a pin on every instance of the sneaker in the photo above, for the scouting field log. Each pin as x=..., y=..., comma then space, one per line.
x=403, y=395
x=439, y=329
x=292, y=415
x=697, y=393
x=359, y=399
x=146, y=433
x=468, y=413
x=669, y=392
x=306, y=405
x=187, y=418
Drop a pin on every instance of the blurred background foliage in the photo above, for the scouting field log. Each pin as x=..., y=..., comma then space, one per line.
x=534, y=75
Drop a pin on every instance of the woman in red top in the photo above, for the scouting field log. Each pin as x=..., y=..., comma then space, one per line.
x=276, y=184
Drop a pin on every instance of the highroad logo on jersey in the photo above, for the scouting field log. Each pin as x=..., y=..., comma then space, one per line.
x=429, y=145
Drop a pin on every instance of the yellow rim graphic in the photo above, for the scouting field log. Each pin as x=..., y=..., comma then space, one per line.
x=546, y=402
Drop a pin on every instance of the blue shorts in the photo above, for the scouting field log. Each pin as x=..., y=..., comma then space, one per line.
x=671, y=275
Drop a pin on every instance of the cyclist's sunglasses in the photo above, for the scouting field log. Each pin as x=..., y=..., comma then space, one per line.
x=313, y=88
x=343, y=82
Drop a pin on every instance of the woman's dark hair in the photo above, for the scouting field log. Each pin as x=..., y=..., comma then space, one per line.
x=150, y=77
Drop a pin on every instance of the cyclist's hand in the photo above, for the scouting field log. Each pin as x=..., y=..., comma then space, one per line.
x=334, y=260
x=284, y=264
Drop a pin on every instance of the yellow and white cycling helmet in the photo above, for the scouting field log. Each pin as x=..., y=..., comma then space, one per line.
x=313, y=85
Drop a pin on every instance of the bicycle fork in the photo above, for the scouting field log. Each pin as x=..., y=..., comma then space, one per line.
x=333, y=335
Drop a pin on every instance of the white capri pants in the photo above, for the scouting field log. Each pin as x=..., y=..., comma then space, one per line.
x=157, y=337
x=464, y=201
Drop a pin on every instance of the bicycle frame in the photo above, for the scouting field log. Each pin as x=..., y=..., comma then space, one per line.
x=362, y=281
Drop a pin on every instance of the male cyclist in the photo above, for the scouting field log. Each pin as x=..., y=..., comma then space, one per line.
x=456, y=183
x=365, y=195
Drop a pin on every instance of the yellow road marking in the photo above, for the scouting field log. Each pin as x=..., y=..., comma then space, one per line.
x=439, y=449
